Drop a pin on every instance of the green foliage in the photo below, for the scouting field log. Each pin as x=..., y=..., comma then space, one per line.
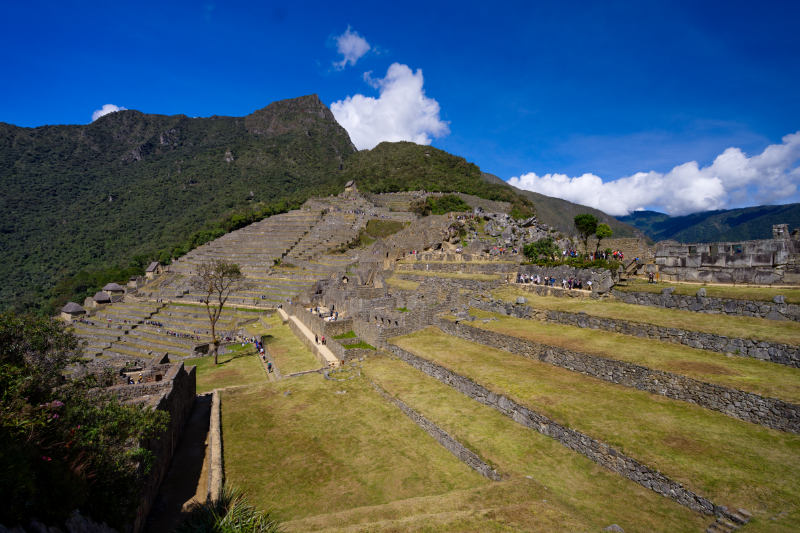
x=403, y=309
x=603, y=231
x=348, y=335
x=405, y=166
x=586, y=224
x=131, y=187
x=229, y=512
x=380, y=229
x=449, y=203
x=64, y=444
x=360, y=344
x=577, y=262
x=545, y=247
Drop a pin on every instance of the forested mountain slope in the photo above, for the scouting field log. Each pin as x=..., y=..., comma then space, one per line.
x=746, y=223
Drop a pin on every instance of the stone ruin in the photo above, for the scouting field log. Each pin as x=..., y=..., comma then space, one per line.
x=762, y=262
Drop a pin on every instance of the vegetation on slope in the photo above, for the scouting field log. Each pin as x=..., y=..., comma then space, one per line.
x=131, y=187
x=405, y=166
x=711, y=226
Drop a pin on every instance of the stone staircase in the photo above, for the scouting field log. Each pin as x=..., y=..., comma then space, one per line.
x=727, y=521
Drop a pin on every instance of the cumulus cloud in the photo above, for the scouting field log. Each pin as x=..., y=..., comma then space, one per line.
x=402, y=112
x=733, y=178
x=105, y=110
x=352, y=46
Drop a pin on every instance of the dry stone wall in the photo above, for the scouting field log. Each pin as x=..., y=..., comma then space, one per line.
x=599, y=452
x=465, y=455
x=778, y=309
x=785, y=354
x=746, y=406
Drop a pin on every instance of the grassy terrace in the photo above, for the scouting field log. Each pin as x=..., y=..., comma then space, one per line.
x=744, y=373
x=286, y=350
x=402, y=284
x=594, y=496
x=454, y=275
x=302, y=447
x=732, y=462
x=739, y=292
x=238, y=367
x=731, y=326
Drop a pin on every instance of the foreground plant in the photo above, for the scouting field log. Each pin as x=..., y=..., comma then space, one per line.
x=228, y=512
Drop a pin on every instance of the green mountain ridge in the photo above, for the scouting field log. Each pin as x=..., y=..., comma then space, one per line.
x=727, y=225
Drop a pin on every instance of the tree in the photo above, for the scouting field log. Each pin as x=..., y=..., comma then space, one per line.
x=603, y=231
x=65, y=444
x=543, y=247
x=586, y=224
x=217, y=279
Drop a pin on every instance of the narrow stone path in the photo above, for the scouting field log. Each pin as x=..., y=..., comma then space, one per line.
x=331, y=359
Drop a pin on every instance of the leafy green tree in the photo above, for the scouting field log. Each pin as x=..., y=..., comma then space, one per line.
x=543, y=247
x=603, y=231
x=586, y=224
x=217, y=279
x=65, y=445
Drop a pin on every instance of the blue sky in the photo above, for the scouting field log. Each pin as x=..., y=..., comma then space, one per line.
x=604, y=103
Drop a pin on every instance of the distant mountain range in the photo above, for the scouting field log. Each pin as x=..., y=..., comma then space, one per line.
x=741, y=224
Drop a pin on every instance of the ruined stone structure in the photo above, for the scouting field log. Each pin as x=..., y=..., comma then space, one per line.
x=763, y=262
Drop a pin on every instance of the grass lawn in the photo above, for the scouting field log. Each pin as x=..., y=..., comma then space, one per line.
x=239, y=367
x=744, y=373
x=308, y=446
x=739, y=292
x=288, y=353
x=732, y=462
x=402, y=284
x=787, y=332
x=595, y=496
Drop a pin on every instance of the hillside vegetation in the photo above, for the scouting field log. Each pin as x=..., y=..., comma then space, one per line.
x=725, y=225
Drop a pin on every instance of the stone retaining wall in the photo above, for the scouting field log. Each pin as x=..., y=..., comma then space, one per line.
x=460, y=267
x=599, y=452
x=775, y=310
x=216, y=470
x=466, y=456
x=746, y=406
x=774, y=352
x=333, y=346
x=602, y=279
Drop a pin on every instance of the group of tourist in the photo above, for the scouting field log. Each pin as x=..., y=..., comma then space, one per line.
x=549, y=281
x=319, y=340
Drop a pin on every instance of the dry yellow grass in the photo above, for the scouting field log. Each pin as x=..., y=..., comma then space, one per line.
x=744, y=373
x=732, y=462
x=787, y=332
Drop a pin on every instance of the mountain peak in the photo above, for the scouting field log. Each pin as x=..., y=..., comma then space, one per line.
x=285, y=116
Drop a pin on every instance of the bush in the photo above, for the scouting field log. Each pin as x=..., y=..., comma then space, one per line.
x=229, y=512
x=65, y=445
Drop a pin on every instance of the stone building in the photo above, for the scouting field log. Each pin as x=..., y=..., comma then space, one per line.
x=71, y=311
x=153, y=269
x=763, y=262
x=115, y=290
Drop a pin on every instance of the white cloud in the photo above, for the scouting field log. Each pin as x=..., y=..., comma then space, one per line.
x=105, y=110
x=402, y=112
x=733, y=178
x=352, y=46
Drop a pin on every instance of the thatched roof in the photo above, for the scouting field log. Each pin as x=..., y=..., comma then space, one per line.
x=152, y=267
x=72, y=308
x=113, y=287
x=102, y=297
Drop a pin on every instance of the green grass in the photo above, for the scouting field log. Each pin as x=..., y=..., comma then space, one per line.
x=403, y=309
x=360, y=344
x=739, y=292
x=288, y=353
x=732, y=462
x=348, y=335
x=787, y=332
x=302, y=447
x=594, y=496
x=240, y=367
x=744, y=373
